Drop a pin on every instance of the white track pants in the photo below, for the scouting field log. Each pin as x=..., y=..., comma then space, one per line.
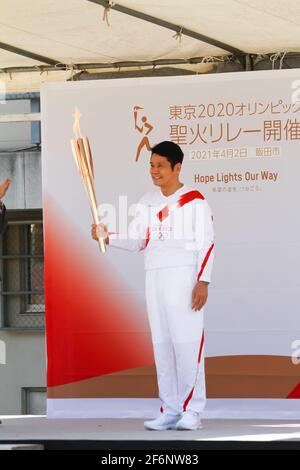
x=178, y=338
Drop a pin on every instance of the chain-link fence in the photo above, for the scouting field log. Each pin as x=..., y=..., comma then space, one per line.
x=23, y=275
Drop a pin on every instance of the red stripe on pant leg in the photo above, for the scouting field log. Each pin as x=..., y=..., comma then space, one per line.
x=199, y=359
x=204, y=263
x=201, y=347
x=188, y=399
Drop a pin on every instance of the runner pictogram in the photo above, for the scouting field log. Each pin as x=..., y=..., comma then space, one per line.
x=145, y=129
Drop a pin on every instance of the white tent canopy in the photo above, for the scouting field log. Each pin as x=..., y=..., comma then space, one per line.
x=38, y=38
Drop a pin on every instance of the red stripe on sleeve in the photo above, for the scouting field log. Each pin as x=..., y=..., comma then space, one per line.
x=147, y=236
x=183, y=199
x=204, y=262
x=188, y=197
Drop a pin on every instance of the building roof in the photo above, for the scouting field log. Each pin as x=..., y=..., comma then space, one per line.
x=52, y=40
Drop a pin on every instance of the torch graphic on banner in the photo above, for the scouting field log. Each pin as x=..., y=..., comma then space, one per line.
x=84, y=161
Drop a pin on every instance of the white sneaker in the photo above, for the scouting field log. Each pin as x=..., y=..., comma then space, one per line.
x=189, y=422
x=163, y=422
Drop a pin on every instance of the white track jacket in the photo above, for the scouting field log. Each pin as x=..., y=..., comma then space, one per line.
x=172, y=231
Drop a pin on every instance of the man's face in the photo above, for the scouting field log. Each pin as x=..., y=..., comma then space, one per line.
x=161, y=171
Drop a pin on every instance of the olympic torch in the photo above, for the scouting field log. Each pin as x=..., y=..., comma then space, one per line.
x=84, y=161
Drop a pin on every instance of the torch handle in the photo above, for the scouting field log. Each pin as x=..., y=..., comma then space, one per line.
x=101, y=241
x=82, y=155
x=95, y=215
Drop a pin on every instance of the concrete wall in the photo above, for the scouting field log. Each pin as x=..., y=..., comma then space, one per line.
x=25, y=367
x=24, y=350
x=25, y=170
x=18, y=134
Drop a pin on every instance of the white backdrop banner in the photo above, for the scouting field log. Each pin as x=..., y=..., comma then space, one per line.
x=240, y=133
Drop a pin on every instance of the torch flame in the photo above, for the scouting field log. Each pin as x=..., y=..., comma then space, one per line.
x=83, y=159
x=76, y=122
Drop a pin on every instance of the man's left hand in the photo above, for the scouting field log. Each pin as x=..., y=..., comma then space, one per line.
x=199, y=295
x=4, y=187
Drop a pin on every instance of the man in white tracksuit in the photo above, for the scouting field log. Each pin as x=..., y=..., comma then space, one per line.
x=173, y=225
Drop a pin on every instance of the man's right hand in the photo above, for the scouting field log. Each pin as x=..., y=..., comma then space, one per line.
x=99, y=231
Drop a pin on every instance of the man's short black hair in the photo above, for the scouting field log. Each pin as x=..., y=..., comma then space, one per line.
x=170, y=150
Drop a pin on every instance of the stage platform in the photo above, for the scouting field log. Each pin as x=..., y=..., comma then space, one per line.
x=129, y=434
